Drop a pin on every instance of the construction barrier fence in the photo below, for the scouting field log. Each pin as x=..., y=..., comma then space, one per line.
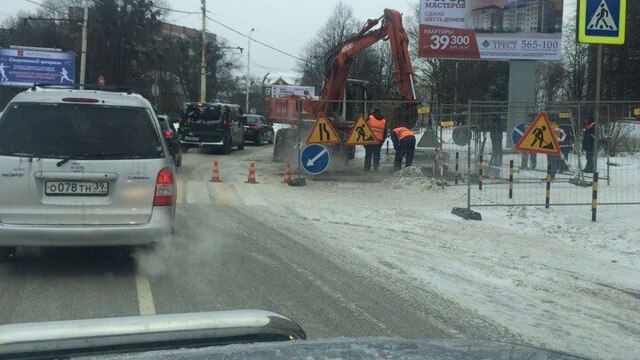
x=481, y=135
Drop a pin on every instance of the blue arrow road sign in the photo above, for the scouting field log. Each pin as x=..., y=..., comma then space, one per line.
x=518, y=132
x=315, y=159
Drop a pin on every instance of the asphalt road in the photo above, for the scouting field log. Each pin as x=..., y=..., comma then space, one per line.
x=224, y=257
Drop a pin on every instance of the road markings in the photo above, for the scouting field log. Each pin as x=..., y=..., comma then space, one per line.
x=145, y=298
x=197, y=192
x=251, y=195
x=180, y=192
x=222, y=193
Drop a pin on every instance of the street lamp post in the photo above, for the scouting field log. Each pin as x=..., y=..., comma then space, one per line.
x=246, y=105
x=203, y=55
x=83, y=54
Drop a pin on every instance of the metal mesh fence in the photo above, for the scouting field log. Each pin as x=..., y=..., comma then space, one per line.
x=500, y=176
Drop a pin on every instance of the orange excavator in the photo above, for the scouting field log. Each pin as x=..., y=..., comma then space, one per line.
x=336, y=95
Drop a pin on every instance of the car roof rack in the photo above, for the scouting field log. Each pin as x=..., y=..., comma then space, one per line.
x=110, y=88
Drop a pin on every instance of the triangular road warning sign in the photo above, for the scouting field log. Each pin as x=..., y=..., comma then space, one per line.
x=323, y=132
x=602, y=19
x=540, y=138
x=361, y=134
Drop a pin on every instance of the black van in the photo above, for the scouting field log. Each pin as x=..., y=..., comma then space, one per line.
x=211, y=125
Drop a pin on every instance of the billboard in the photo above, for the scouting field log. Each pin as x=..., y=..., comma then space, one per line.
x=491, y=29
x=25, y=67
x=279, y=90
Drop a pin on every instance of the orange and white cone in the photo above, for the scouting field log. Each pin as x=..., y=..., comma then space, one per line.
x=287, y=174
x=252, y=175
x=215, y=177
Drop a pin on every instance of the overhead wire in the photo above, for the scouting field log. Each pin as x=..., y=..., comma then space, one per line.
x=43, y=5
x=260, y=29
x=256, y=41
x=233, y=30
x=176, y=11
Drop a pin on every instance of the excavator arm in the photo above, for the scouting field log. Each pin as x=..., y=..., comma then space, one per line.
x=390, y=29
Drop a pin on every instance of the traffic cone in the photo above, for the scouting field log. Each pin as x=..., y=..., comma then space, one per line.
x=287, y=174
x=216, y=173
x=252, y=175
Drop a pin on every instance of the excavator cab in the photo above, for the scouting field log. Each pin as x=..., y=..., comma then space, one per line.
x=356, y=95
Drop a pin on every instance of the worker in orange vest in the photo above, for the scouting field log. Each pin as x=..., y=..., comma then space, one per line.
x=378, y=126
x=404, y=142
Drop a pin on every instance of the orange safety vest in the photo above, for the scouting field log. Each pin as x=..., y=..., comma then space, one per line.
x=403, y=132
x=377, y=127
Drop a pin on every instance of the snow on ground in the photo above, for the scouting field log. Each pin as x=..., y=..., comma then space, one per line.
x=549, y=275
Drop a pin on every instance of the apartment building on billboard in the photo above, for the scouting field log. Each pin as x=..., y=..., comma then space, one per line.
x=534, y=16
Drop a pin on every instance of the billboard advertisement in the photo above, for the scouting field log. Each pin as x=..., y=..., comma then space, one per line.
x=25, y=67
x=491, y=29
x=279, y=90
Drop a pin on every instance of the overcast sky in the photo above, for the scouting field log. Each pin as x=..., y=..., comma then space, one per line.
x=285, y=24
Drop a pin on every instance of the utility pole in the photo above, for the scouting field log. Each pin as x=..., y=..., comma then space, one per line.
x=83, y=55
x=203, y=60
x=246, y=107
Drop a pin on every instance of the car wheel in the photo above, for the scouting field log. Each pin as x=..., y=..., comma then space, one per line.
x=259, y=140
x=179, y=160
x=271, y=138
x=7, y=253
x=226, y=145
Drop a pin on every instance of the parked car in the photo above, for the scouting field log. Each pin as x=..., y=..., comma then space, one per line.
x=83, y=168
x=211, y=125
x=258, y=129
x=171, y=136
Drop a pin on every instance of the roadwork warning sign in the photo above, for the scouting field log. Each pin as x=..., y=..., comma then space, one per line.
x=361, y=134
x=539, y=138
x=323, y=132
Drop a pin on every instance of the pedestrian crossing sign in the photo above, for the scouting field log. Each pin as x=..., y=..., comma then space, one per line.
x=602, y=21
x=361, y=134
x=323, y=132
x=539, y=138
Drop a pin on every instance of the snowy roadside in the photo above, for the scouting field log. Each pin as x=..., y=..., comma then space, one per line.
x=550, y=276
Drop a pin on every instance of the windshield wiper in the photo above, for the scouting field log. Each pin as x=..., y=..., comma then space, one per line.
x=91, y=156
x=63, y=161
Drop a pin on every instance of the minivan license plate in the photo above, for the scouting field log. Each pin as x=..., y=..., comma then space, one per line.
x=77, y=188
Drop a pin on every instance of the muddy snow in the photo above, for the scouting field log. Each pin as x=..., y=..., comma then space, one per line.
x=411, y=177
x=552, y=277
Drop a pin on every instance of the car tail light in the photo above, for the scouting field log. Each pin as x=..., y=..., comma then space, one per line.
x=225, y=122
x=168, y=133
x=255, y=127
x=164, y=188
x=199, y=105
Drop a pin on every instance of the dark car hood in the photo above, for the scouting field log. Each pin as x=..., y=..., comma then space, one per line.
x=358, y=348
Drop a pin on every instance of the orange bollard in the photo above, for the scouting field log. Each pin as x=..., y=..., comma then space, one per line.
x=252, y=175
x=287, y=174
x=216, y=173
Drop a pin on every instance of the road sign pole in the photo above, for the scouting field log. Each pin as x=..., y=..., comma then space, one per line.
x=469, y=157
x=299, y=106
x=597, y=110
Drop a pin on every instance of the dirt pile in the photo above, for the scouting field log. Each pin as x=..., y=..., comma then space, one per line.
x=411, y=177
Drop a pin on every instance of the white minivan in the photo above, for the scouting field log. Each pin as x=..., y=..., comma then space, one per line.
x=83, y=168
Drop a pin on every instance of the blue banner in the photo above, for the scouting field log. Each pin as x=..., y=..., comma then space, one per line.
x=25, y=67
